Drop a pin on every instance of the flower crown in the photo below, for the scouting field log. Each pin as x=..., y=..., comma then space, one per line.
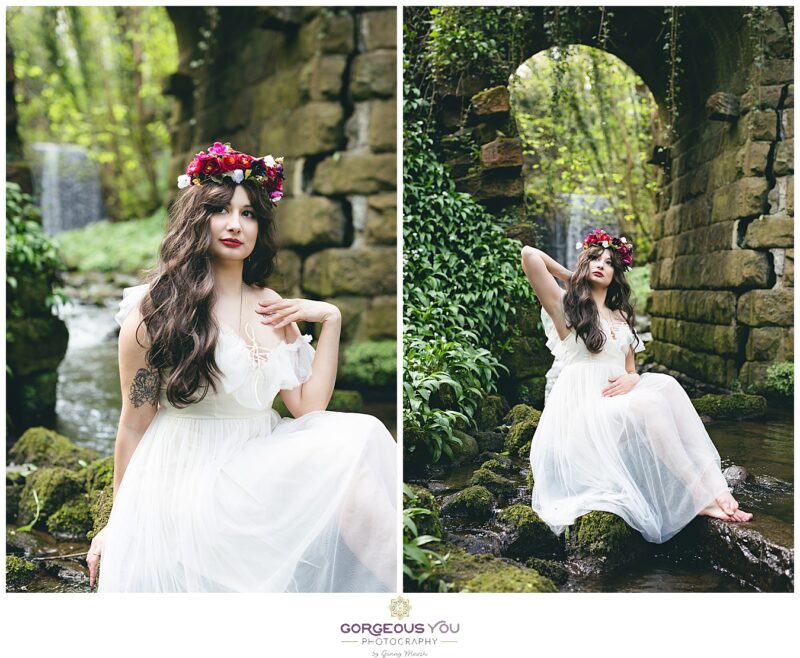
x=221, y=161
x=600, y=237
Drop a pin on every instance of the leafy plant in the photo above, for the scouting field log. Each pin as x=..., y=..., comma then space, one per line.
x=780, y=378
x=419, y=561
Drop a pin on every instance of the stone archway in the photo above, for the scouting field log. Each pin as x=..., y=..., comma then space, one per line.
x=722, y=266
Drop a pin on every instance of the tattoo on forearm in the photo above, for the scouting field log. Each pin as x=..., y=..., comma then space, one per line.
x=144, y=387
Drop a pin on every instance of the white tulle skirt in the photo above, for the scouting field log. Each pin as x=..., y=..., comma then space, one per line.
x=255, y=504
x=644, y=456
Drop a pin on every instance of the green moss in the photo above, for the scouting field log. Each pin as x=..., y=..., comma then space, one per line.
x=485, y=573
x=72, y=519
x=529, y=534
x=53, y=486
x=735, y=406
x=369, y=364
x=498, y=466
x=491, y=410
x=780, y=378
x=100, y=506
x=427, y=524
x=529, y=480
x=99, y=474
x=475, y=502
x=520, y=412
x=551, y=569
x=497, y=484
x=44, y=447
x=13, y=493
x=603, y=533
x=522, y=432
x=19, y=572
x=524, y=451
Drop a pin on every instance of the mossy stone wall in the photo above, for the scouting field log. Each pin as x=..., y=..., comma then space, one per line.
x=722, y=267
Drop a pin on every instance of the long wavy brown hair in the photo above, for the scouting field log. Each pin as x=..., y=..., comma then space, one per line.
x=177, y=312
x=579, y=307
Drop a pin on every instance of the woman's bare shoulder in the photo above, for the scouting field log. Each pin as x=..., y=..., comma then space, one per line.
x=265, y=294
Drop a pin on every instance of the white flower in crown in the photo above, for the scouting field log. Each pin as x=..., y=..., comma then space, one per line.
x=184, y=181
x=238, y=176
x=623, y=240
x=269, y=161
x=604, y=243
x=578, y=245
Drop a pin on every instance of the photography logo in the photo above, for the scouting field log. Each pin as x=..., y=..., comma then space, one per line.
x=398, y=639
x=400, y=608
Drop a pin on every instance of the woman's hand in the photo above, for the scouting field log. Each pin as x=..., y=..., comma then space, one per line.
x=93, y=556
x=282, y=312
x=620, y=384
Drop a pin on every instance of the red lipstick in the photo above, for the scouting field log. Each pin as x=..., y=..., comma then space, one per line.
x=231, y=242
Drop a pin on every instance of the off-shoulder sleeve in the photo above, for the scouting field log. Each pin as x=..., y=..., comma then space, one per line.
x=554, y=343
x=637, y=348
x=130, y=300
x=296, y=369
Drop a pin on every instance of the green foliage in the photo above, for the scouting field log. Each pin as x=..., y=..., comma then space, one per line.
x=587, y=124
x=780, y=378
x=93, y=76
x=639, y=280
x=461, y=286
x=128, y=247
x=419, y=562
x=370, y=363
x=30, y=256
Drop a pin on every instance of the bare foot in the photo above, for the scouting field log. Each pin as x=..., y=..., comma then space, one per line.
x=726, y=508
x=715, y=511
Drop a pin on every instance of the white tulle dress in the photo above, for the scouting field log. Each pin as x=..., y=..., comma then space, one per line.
x=226, y=496
x=644, y=456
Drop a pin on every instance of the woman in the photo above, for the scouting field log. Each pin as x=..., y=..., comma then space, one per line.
x=609, y=439
x=213, y=491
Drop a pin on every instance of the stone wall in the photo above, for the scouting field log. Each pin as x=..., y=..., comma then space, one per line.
x=317, y=86
x=722, y=267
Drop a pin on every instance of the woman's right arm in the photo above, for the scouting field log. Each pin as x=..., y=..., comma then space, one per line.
x=540, y=269
x=140, y=388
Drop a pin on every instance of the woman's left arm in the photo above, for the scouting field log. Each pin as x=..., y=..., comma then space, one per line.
x=622, y=384
x=315, y=393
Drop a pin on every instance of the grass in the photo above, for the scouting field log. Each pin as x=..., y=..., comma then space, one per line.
x=126, y=247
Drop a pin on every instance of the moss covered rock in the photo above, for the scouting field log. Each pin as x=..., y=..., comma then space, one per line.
x=427, y=524
x=528, y=535
x=551, y=569
x=99, y=474
x=467, y=451
x=53, y=487
x=369, y=364
x=491, y=440
x=605, y=541
x=486, y=573
x=100, y=505
x=474, y=503
x=735, y=406
x=520, y=412
x=500, y=464
x=73, y=519
x=522, y=430
x=491, y=410
x=45, y=447
x=13, y=494
x=497, y=484
x=19, y=572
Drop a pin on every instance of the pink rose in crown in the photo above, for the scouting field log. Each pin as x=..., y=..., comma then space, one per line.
x=228, y=162
x=210, y=166
x=194, y=166
x=243, y=161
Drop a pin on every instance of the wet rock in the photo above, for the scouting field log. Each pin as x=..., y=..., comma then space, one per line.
x=524, y=421
x=72, y=520
x=491, y=440
x=498, y=463
x=528, y=535
x=19, y=572
x=468, y=449
x=551, y=569
x=474, y=503
x=479, y=541
x=740, y=549
x=735, y=475
x=427, y=524
x=497, y=484
x=53, y=487
x=44, y=447
x=491, y=410
x=601, y=541
x=486, y=573
x=736, y=406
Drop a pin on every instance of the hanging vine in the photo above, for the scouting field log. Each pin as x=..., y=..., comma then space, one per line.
x=672, y=49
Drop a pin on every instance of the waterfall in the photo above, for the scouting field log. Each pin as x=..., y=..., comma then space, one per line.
x=577, y=216
x=67, y=185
